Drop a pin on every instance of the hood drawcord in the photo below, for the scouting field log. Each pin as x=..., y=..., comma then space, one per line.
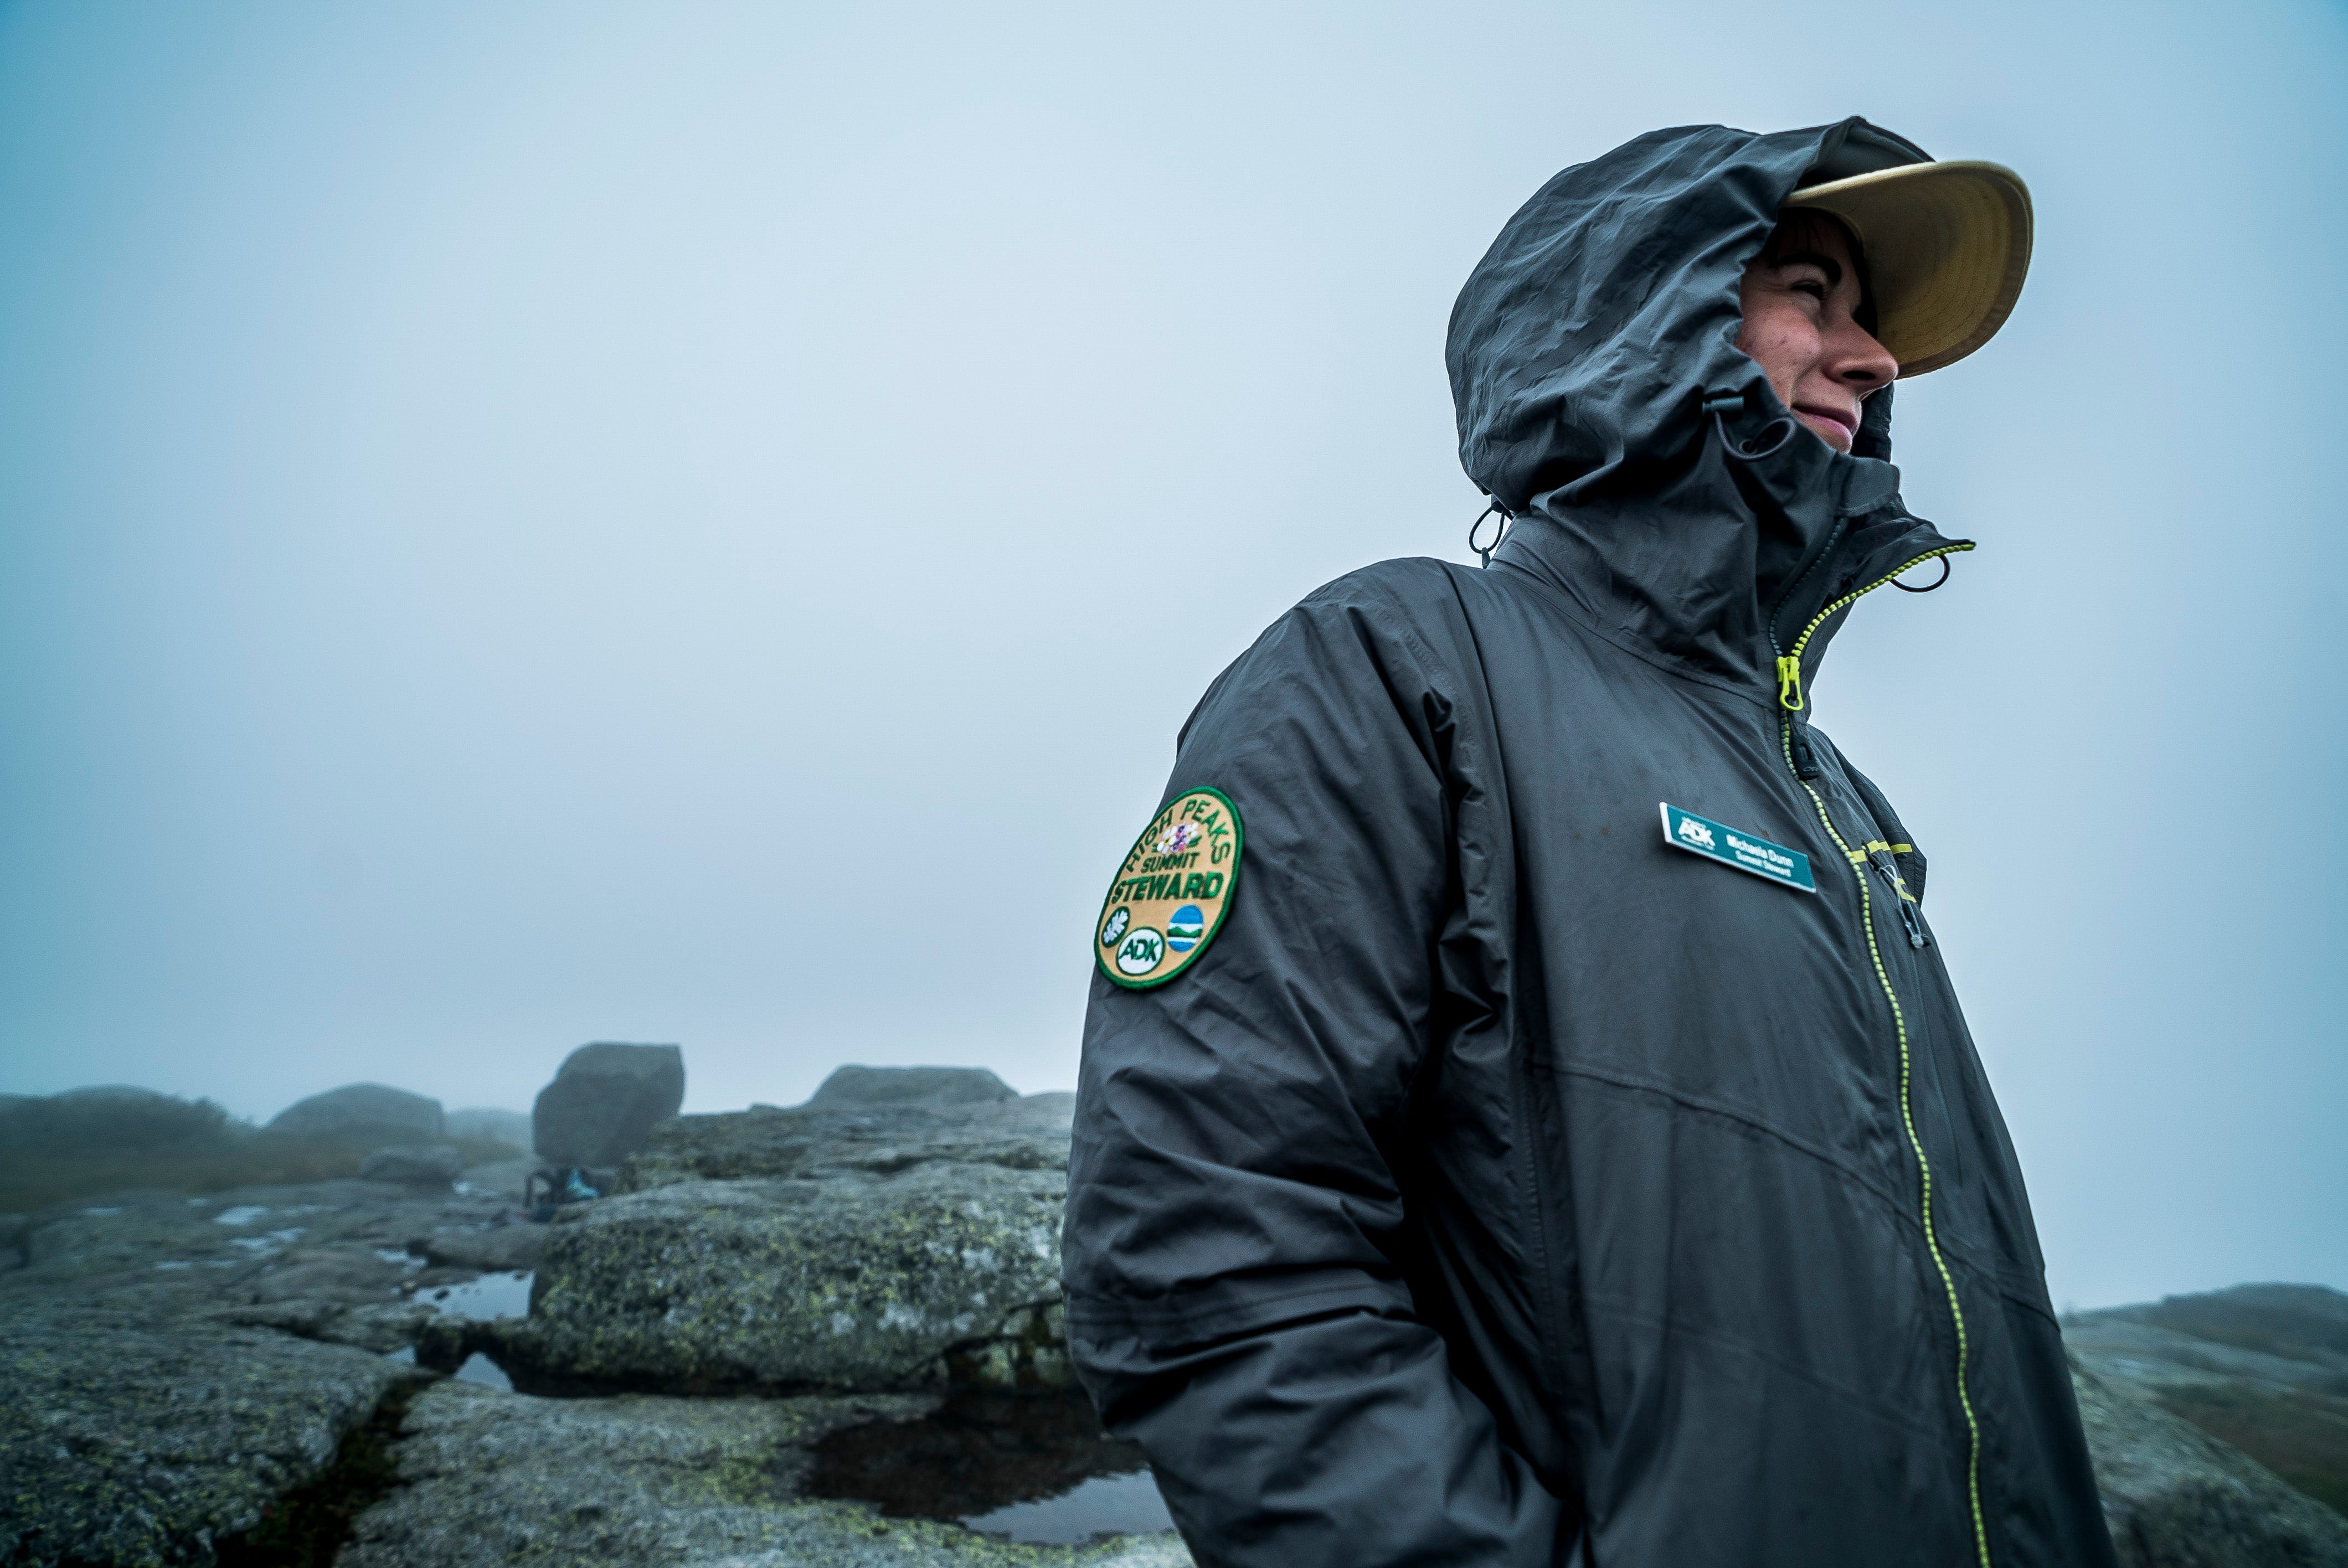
x=1724, y=401
x=1484, y=552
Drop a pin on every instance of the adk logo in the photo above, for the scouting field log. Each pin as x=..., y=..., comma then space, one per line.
x=1143, y=951
x=1695, y=833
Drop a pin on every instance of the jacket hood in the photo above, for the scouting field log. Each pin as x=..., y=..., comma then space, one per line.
x=1582, y=353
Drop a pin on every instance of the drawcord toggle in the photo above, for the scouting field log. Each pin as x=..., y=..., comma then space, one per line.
x=1789, y=682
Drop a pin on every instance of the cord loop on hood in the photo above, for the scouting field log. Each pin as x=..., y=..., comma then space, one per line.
x=1753, y=451
x=1484, y=552
x=1945, y=569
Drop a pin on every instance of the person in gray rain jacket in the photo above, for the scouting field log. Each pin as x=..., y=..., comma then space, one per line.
x=1525, y=1117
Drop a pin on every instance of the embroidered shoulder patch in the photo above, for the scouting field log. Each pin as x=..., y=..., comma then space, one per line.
x=1171, y=896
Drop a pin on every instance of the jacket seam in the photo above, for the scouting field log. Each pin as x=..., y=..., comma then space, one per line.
x=1530, y=1208
x=1731, y=1112
x=1535, y=1208
x=1987, y=1273
x=1753, y=1353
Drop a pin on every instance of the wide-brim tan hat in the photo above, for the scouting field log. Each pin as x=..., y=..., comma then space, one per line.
x=1945, y=247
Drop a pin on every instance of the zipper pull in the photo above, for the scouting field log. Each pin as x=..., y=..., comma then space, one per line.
x=1806, y=756
x=1789, y=682
x=1910, y=921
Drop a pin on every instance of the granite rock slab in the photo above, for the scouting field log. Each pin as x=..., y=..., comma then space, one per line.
x=2175, y=1497
x=490, y=1480
x=132, y=1441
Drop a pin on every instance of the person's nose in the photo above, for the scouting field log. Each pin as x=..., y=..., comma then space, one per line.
x=1855, y=359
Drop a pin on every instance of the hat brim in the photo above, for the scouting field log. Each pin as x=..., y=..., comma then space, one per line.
x=1945, y=247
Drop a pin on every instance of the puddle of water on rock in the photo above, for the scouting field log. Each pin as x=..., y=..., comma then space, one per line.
x=1036, y=1468
x=243, y=1215
x=490, y=1297
x=478, y=1368
x=269, y=1246
x=1103, y=1505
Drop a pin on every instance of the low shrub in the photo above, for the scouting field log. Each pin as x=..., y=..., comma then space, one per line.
x=57, y=1150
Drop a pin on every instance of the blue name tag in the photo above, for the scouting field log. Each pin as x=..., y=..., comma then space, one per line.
x=1732, y=846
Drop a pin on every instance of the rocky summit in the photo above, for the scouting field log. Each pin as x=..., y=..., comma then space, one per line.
x=238, y=1377
x=816, y=1337
x=604, y=1102
x=2219, y=1424
x=177, y=1367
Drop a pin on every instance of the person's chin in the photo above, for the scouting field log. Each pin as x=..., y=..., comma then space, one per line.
x=1833, y=432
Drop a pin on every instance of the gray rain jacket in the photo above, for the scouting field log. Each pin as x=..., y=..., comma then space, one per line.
x=1502, y=1186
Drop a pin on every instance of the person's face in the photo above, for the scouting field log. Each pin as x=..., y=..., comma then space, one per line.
x=1801, y=300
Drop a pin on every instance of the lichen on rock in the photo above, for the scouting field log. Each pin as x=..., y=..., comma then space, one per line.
x=132, y=1442
x=506, y=1481
x=849, y=1281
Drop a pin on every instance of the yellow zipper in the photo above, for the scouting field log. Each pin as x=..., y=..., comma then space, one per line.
x=1857, y=859
x=1789, y=663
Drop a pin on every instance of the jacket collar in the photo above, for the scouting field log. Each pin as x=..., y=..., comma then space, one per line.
x=1583, y=352
x=1721, y=567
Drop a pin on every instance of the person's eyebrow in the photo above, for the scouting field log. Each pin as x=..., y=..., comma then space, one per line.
x=1823, y=263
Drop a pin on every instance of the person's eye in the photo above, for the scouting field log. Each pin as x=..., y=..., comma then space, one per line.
x=1814, y=287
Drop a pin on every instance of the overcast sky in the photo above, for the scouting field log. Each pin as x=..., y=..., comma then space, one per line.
x=548, y=522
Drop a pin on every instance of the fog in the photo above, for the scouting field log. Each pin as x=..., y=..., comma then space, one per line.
x=542, y=523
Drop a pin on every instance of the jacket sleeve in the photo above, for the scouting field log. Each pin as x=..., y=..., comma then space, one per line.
x=1236, y=1302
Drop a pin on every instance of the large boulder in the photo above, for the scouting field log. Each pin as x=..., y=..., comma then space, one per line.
x=604, y=1101
x=854, y=1087
x=367, y=1114
x=893, y=1246
x=2177, y=1498
x=436, y=1166
x=111, y=1094
x=125, y=1438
